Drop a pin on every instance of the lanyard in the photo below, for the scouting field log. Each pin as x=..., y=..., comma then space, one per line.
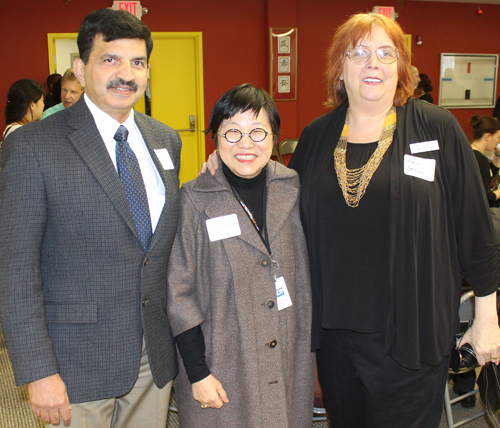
x=263, y=233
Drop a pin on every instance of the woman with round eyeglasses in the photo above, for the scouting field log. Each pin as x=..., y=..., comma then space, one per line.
x=393, y=212
x=239, y=296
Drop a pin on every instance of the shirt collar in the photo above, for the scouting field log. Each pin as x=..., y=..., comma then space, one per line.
x=106, y=124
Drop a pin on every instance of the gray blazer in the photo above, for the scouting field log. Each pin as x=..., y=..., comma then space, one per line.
x=77, y=292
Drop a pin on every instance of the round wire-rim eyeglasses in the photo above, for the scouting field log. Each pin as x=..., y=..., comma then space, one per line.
x=257, y=135
x=361, y=54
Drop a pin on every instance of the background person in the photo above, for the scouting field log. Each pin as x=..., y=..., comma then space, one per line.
x=423, y=89
x=486, y=134
x=71, y=91
x=88, y=197
x=246, y=352
x=390, y=221
x=24, y=104
x=416, y=76
x=54, y=86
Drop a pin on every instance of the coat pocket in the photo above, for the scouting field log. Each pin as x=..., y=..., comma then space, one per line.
x=71, y=312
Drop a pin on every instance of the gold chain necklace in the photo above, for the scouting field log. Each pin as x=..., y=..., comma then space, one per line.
x=354, y=182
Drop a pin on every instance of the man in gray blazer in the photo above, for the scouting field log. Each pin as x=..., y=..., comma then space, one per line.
x=88, y=214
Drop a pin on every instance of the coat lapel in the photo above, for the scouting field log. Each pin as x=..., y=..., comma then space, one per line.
x=88, y=143
x=281, y=198
x=230, y=205
x=282, y=195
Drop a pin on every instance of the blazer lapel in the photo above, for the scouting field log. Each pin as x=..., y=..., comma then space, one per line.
x=88, y=143
x=154, y=141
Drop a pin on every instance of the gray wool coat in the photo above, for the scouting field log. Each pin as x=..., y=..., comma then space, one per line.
x=228, y=287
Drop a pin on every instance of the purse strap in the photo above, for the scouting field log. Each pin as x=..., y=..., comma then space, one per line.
x=489, y=411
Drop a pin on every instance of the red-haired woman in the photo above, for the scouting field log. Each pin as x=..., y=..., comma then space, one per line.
x=393, y=212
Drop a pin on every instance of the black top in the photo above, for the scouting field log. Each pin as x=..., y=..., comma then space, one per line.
x=439, y=228
x=252, y=192
x=359, y=239
x=427, y=97
x=487, y=169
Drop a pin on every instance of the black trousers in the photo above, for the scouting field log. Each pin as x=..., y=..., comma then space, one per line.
x=362, y=388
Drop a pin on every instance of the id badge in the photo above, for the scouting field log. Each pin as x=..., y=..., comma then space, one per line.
x=164, y=158
x=424, y=169
x=223, y=227
x=282, y=295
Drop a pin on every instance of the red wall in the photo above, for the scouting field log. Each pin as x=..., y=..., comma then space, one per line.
x=236, y=32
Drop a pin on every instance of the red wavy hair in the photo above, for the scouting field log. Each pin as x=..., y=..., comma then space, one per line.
x=347, y=36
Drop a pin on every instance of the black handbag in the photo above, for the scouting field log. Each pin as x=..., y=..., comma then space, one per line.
x=489, y=390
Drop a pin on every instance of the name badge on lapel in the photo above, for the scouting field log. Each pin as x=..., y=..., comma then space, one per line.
x=420, y=167
x=223, y=227
x=425, y=146
x=164, y=158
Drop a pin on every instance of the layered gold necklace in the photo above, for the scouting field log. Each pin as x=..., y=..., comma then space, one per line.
x=354, y=182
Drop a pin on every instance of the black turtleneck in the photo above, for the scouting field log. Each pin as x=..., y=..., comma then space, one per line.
x=252, y=192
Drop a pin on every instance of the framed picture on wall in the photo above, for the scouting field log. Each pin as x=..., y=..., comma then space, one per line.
x=283, y=64
x=468, y=80
x=283, y=70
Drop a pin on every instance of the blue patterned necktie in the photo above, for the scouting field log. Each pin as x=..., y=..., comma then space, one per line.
x=130, y=175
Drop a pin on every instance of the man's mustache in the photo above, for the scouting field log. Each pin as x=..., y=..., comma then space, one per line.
x=120, y=82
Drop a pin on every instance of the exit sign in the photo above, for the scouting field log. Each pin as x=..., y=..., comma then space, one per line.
x=385, y=10
x=134, y=7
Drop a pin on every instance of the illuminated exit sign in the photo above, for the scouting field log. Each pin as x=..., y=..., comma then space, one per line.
x=134, y=7
x=385, y=10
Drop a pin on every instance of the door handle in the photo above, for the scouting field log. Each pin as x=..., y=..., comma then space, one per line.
x=192, y=125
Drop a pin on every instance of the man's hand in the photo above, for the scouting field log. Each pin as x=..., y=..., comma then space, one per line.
x=49, y=399
x=209, y=392
x=212, y=164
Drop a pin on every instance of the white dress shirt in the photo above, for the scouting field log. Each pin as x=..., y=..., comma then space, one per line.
x=107, y=126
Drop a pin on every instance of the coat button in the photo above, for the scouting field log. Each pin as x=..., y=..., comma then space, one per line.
x=144, y=302
x=146, y=262
x=270, y=304
x=264, y=263
x=273, y=343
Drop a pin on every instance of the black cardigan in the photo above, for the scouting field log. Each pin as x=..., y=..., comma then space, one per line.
x=439, y=229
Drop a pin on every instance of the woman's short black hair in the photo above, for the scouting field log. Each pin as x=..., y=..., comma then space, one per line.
x=239, y=100
x=484, y=125
x=111, y=25
x=21, y=94
x=425, y=83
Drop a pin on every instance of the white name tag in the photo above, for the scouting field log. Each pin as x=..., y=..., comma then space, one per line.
x=282, y=295
x=420, y=168
x=164, y=158
x=223, y=227
x=425, y=146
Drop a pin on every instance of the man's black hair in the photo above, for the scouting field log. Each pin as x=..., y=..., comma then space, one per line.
x=111, y=25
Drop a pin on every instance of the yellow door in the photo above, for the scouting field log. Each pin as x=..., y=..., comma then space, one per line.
x=176, y=82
